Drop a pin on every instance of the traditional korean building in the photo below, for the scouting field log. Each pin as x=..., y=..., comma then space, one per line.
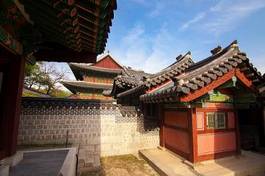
x=101, y=80
x=127, y=87
x=206, y=110
x=63, y=31
x=127, y=80
x=93, y=79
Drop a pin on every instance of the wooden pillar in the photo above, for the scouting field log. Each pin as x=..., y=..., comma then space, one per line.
x=161, y=124
x=12, y=92
x=193, y=135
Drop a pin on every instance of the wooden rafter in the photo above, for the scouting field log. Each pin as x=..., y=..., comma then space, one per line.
x=213, y=85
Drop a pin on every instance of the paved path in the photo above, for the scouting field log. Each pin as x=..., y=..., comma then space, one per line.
x=44, y=163
x=247, y=164
x=166, y=163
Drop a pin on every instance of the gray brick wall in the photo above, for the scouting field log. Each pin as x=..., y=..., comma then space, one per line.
x=100, y=129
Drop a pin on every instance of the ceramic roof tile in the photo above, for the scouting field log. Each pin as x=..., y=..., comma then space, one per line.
x=204, y=72
x=82, y=86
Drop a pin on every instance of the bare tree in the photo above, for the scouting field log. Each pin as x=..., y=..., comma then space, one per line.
x=51, y=77
x=44, y=76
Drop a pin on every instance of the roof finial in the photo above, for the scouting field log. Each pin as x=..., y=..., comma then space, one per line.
x=216, y=50
x=234, y=44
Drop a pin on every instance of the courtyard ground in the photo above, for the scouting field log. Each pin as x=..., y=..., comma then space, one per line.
x=124, y=165
x=167, y=163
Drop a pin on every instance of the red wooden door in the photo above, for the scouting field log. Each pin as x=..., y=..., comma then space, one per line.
x=176, y=132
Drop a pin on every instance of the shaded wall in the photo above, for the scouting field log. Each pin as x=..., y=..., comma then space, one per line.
x=12, y=71
x=100, y=129
x=176, y=132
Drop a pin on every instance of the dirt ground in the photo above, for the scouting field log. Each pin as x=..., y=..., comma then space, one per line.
x=125, y=165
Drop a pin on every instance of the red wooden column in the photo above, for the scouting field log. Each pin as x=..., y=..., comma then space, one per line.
x=12, y=92
x=161, y=124
x=193, y=135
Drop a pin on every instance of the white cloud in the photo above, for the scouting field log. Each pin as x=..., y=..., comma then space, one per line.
x=151, y=54
x=196, y=19
x=224, y=16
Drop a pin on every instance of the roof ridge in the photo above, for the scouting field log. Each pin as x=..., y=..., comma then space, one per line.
x=174, y=65
x=179, y=59
x=105, y=56
x=211, y=58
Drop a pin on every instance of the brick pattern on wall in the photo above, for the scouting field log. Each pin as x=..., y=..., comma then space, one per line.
x=100, y=129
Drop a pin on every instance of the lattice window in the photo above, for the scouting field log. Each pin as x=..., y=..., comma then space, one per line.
x=216, y=120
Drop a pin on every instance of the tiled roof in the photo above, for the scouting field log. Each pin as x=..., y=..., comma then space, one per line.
x=182, y=63
x=77, y=68
x=82, y=86
x=204, y=72
x=130, y=78
x=86, y=67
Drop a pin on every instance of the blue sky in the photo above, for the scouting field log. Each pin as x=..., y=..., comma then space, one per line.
x=149, y=34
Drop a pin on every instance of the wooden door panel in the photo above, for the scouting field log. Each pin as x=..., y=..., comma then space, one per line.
x=175, y=132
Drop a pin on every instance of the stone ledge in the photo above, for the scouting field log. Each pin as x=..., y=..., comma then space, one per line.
x=4, y=170
x=12, y=160
x=69, y=164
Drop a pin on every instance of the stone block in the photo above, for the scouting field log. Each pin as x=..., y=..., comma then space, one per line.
x=4, y=170
x=103, y=131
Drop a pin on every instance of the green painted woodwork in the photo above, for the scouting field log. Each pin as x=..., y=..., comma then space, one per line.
x=215, y=96
x=104, y=3
x=49, y=23
x=177, y=105
x=88, y=16
x=89, y=5
x=3, y=35
x=218, y=97
x=229, y=84
x=8, y=41
x=42, y=17
x=245, y=97
x=9, y=14
x=241, y=98
x=58, y=21
x=102, y=27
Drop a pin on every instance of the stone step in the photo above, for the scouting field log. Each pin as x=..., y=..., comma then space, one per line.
x=166, y=164
x=4, y=170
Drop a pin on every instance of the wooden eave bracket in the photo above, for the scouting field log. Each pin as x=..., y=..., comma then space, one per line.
x=216, y=83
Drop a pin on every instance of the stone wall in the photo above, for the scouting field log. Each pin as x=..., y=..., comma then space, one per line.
x=99, y=129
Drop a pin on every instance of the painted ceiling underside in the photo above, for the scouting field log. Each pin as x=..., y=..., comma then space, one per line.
x=59, y=29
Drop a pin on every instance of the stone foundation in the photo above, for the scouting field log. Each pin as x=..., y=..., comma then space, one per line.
x=97, y=128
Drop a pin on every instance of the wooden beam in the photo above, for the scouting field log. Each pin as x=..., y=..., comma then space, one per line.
x=65, y=55
x=206, y=89
x=244, y=79
x=235, y=72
